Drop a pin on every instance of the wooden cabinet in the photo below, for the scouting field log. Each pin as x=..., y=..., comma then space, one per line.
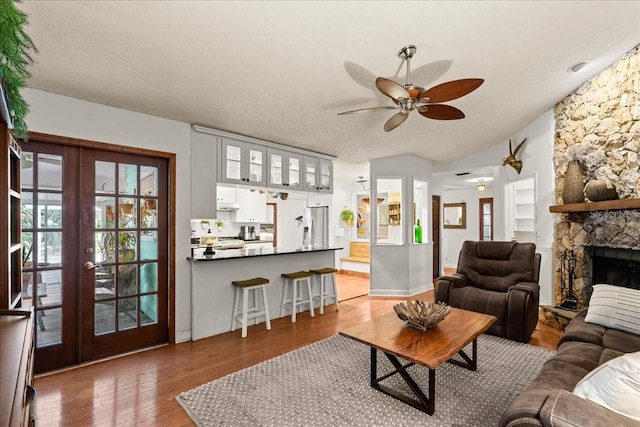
x=394, y=213
x=16, y=370
x=252, y=206
x=10, y=234
x=318, y=174
x=204, y=161
x=285, y=169
x=242, y=163
x=394, y=208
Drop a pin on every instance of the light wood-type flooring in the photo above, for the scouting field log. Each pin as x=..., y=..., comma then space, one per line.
x=140, y=388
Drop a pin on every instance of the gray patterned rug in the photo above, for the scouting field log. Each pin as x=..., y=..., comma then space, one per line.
x=327, y=384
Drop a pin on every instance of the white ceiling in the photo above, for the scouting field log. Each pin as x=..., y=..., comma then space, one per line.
x=281, y=71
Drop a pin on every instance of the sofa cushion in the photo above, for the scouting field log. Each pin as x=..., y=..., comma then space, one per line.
x=621, y=341
x=615, y=307
x=579, y=330
x=614, y=385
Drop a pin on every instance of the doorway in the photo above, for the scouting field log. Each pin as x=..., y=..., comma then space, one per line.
x=95, y=233
x=486, y=218
x=435, y=227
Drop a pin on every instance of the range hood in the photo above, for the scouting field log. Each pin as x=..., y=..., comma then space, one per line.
x=228, y=207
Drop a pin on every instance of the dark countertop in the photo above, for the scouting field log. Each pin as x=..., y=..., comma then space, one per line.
x=249, y=253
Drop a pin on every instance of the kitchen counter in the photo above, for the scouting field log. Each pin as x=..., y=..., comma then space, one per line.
x=211, y=277
x=255, y=252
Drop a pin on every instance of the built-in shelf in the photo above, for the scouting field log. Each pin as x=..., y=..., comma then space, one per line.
x=607, y=205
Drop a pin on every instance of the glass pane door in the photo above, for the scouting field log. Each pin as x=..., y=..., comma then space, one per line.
x=124, y=297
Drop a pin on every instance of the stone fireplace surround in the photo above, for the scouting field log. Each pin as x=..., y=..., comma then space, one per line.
x=601, y=119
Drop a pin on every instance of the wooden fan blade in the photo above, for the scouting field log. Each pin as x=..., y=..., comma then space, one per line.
x=392, y=89
x=395, y=121
x=369, y=110
x=451, y=90
x=441, y=112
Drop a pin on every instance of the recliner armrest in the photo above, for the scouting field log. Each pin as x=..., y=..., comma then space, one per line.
x=565, y=409
x=529, y=287
x=446, y=283
x=456, y=278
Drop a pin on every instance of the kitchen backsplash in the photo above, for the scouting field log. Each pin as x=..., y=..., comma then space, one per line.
x=229, y=229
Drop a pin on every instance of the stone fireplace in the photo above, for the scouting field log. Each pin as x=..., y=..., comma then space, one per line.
x=599, y=126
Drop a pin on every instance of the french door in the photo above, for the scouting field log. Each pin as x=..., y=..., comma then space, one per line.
x=96, y=251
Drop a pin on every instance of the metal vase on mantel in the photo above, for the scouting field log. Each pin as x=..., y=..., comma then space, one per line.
x=573, y=190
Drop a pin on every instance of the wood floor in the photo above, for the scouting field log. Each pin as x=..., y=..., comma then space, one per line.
x=140, y=389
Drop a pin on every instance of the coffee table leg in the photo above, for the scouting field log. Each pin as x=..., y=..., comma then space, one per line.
x=424, y=403
x=470, y=363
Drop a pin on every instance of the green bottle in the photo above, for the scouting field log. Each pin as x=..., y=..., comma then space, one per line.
x=418, y=233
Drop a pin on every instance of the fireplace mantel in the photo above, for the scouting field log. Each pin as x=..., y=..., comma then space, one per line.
x=607, y=205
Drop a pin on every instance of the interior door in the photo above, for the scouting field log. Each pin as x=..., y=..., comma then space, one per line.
x=123, y=252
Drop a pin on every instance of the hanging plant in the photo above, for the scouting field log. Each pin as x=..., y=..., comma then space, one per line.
x=219, y=225
x=15, y=55
x=347, y=216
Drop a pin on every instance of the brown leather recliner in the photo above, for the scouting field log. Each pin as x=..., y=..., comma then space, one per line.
x=497, y=278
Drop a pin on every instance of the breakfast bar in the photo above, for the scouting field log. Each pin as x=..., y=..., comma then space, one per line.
x=211, y=277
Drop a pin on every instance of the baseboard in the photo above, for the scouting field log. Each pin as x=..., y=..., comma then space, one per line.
x=400, y=292
x=183, y=336
x=354, y=273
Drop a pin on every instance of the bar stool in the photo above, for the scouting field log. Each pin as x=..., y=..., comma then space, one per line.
x=247, y=286
x=294, y=280
x=323, y=275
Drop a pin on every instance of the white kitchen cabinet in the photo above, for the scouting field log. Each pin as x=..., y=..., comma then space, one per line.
x=285, y=169
x=226, y=195
x=242, y=163
x=252, y=206
x=204, y=152
x=318, y=174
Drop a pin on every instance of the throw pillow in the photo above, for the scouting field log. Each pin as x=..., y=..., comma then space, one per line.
x=614, y=385
x=615, y=307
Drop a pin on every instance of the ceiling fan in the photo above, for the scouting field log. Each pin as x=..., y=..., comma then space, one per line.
x=411, y=97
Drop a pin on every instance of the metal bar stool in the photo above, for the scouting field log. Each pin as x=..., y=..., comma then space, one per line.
x=246, y=286
x=323, y=275
x=294, y=280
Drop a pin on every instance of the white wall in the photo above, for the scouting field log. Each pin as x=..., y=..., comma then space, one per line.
x=536, y=156
x=452, y=238
x=70, y=117
x=402, y=270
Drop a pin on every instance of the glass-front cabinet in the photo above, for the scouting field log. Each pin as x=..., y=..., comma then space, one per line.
x=242, y=163
x=318, y=174
x=285, y=169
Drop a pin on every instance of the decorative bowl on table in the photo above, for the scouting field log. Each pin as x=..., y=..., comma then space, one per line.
x=421, y=315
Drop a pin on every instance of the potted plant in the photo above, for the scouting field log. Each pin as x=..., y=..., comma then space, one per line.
x=126, y=246
x=219, y=224
x=15, y=57
x=347, y=216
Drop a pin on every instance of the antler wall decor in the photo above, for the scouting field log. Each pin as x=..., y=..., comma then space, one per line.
x=511, y=159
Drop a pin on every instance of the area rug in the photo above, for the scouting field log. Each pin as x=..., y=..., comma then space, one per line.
x=327, y=384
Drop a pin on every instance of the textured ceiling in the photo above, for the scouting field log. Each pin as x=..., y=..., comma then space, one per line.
x=281, y=71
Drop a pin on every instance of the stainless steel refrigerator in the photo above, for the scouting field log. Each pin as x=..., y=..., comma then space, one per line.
x=315, y=221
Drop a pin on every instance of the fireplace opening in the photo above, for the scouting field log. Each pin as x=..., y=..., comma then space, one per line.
x=615, y=266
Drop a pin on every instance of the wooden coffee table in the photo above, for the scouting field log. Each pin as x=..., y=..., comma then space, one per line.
x=430, y=348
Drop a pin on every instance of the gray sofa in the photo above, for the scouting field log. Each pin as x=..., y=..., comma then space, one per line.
x=549, y=400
